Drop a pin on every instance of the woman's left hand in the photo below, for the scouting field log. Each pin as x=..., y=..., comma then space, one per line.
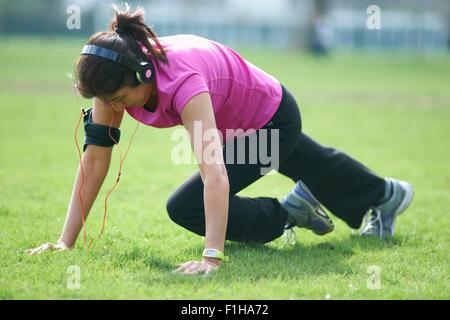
x=206, y=266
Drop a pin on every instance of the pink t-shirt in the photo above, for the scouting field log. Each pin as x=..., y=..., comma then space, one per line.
x=243, y=96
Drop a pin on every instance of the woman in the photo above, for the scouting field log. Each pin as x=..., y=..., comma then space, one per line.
x=188, y=80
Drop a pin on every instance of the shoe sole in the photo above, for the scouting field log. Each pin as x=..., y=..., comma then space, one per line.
x=409, y=194
x=303, y=193
x=322, y=215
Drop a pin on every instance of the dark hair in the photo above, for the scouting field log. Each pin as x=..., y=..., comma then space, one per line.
x=99, y=77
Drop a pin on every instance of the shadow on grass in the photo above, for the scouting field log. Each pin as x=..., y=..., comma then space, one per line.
x=300, y=260
x=252, y=261
x=144, y=255
x=4, y=211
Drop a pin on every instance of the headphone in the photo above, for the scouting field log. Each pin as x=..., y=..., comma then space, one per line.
x=145, y=70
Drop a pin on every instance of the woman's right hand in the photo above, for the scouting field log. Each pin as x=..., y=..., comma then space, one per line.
x=58, y=247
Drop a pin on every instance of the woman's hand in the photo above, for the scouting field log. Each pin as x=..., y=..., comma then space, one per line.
x=206, y=266
x=58, y=247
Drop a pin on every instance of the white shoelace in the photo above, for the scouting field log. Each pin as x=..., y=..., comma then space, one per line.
x=289, y=236
x=371, y=219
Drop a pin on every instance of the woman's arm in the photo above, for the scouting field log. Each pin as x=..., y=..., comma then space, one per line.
x=207, y=148
x=95, y=162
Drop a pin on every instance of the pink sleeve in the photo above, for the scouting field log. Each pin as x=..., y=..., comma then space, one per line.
x=190, y=87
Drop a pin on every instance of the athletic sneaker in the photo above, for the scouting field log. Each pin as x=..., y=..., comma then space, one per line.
x=380, y=220
x=305, y=211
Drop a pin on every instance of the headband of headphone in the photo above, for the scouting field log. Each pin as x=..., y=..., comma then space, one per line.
x=145, y=70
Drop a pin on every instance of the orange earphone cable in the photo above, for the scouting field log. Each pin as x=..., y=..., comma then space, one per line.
x=122, y=159
x=82, y=177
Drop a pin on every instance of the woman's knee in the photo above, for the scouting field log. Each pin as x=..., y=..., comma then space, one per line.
x=183, y=206
x=173, y=208
x=186, y=213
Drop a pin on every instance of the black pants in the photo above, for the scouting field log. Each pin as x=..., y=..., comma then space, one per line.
x=344, y=186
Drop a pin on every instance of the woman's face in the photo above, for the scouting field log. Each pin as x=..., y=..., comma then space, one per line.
x=128, y=97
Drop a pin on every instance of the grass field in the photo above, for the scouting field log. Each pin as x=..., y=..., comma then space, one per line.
x=391, y=112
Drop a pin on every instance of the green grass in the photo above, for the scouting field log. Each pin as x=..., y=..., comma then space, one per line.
x=390, y=112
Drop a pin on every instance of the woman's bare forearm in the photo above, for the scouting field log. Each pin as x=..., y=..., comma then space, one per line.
x=216, y=195
x=94, y=175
